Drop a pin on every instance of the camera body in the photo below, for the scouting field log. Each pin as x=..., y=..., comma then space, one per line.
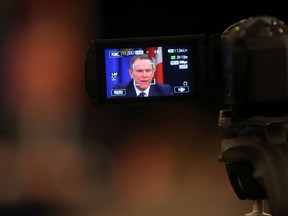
x=254, y=129
x=245, y=67
x=255, y=66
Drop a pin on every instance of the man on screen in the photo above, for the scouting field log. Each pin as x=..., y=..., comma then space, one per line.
x=143, y=84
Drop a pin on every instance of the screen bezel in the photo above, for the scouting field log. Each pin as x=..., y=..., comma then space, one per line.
x=95, y=71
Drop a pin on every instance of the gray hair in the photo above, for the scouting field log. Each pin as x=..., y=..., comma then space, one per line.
x=142, y=56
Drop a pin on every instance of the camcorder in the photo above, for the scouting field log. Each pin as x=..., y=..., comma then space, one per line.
x=242, y=67
x=246, y=71
x=245, y=68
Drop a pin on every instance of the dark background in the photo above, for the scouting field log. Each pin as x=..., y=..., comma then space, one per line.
x=128, y=18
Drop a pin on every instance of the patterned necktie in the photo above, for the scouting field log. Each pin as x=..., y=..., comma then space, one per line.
x=142, y=94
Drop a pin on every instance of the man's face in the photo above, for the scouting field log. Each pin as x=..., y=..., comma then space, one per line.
x=142, y=73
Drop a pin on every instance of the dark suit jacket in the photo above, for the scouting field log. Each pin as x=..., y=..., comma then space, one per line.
x=155, y=90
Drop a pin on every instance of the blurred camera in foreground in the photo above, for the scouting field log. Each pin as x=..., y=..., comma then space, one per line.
x=255, y=66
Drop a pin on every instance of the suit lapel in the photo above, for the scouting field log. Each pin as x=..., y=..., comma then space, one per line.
x=153, y=90
x=131, y=90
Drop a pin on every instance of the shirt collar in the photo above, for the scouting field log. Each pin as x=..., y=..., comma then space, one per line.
x=139, y=91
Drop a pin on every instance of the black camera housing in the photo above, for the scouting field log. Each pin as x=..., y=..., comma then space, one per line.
x=255, y=66
x=238, y=68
